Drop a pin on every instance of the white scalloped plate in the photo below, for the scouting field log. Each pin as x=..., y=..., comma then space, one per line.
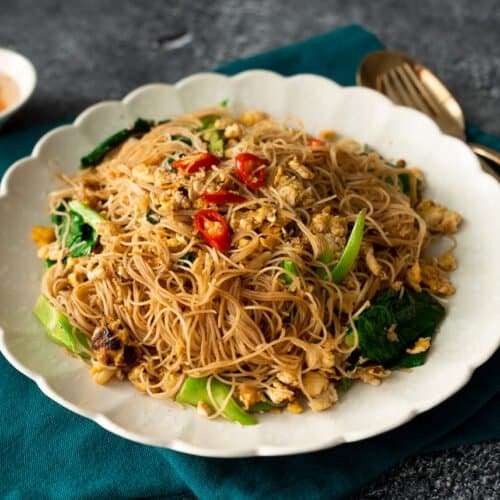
x=468, y=337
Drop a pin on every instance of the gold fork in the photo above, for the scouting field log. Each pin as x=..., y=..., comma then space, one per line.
x=402, y=86
x=408, y=83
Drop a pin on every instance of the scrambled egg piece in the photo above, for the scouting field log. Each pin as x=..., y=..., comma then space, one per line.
x=447, y=262
x=414, y=277
x=248, y=220
x=318, y=357
x=290, y=190
x=436, y=280
x=327, y=134
x=295, y=407
x=279, y=393
x=429, y=276
x=421, y=345
x=315, y=383
x=42, y=235
x=372, y=263
x=233, y=131
x=288, y=378
x=203, y=409
x=300, y=169
x=324, y=400
x=101, y=374
x=251, y=117
x=248, y=396
x=373, y=375
x=135, y=377
x=332, y=229
x=438, y=218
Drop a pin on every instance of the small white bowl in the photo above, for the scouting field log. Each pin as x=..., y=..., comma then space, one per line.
x=23, y=73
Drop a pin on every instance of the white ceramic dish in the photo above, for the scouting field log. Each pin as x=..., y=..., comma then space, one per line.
x=20, y=69
x=468, y=337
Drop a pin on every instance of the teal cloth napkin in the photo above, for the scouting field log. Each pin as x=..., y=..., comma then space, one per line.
x=49, y=452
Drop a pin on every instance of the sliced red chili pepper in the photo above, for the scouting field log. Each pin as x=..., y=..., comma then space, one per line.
x=250, y=169
x=222, y=196
x=214, y=228
x=193, y=163
x=315, y=143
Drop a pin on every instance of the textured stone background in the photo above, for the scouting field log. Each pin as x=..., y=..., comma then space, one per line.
x=93, y=50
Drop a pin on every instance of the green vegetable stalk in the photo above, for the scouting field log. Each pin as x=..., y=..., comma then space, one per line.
x=89, y=216
x=95, y=157
x=349, y=254
x=59, y=329
x=291, y=270
x=195, y=390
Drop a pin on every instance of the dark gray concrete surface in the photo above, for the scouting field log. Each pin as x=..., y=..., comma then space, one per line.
x=93, y=50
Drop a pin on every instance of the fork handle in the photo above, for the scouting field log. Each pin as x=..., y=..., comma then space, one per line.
x=486, y=153
x=491, y=156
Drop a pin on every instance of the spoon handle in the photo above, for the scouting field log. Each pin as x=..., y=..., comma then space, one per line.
x=487, y=154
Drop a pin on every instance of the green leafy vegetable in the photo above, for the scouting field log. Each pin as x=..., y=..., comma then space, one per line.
x=207, y=122
x=78, y=236
x=345, y=384
x=167, y=164
x=263, y=406
x=349, y=254
x=59, y=329
x=95, y=157
x=48, y=263
x=187, y=257
x=410, y=360
x=224, y=103
x=195, y=390
x=180, y=138
x=153, y=217
x=414, y=314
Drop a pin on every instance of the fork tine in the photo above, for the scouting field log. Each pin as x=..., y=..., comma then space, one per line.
x=430, y=100
x=413, y=94
x=384, y=86
x=394, y=88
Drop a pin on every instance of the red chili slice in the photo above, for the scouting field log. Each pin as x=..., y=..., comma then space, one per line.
x=214, y=228
x=221, y=197
x=193, y=163
x=250, y=169
x=315, y=143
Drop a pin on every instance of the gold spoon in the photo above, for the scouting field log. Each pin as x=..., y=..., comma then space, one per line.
x=408, y=83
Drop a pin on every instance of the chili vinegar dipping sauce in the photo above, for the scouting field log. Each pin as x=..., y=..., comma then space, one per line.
x=9, y=92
